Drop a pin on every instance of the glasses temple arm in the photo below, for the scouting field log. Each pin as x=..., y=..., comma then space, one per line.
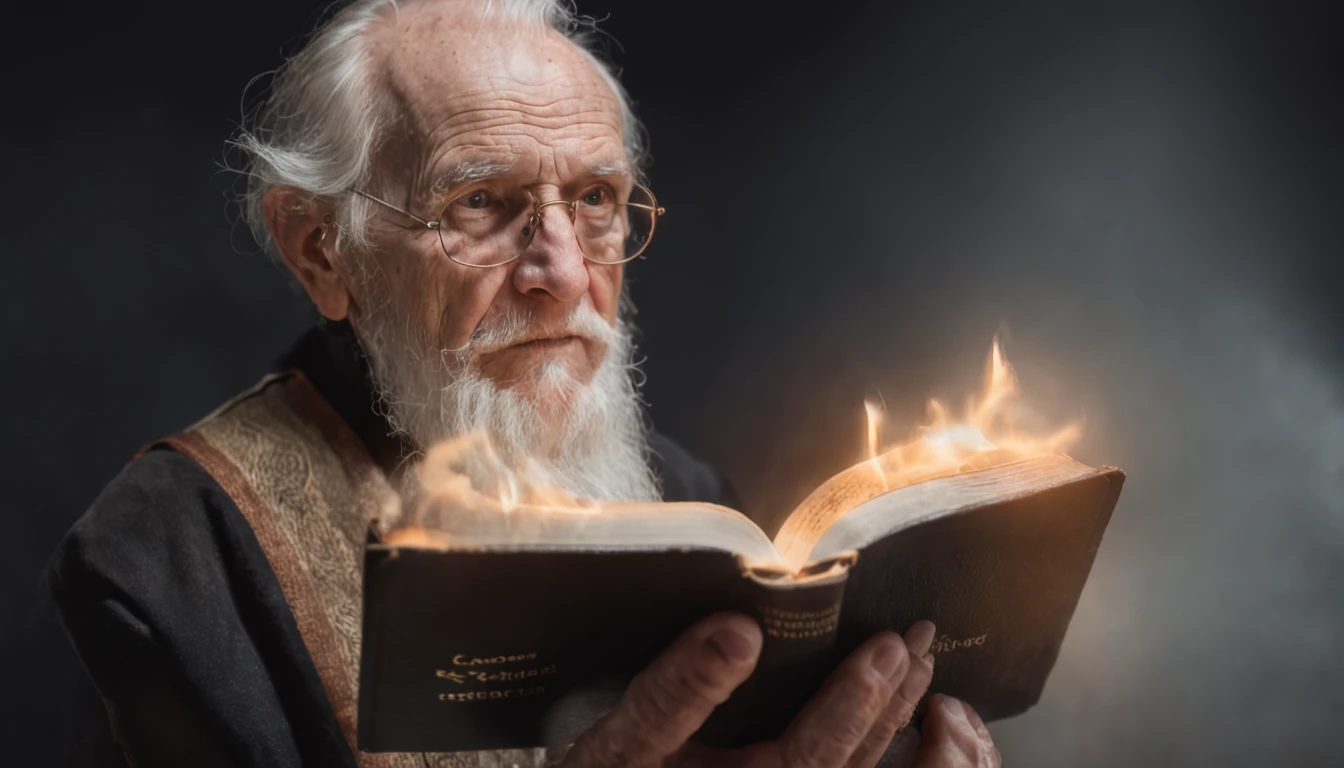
x=430, y=224
x=658, y=210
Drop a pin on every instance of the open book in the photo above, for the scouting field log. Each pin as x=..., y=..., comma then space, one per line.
x=520, y=628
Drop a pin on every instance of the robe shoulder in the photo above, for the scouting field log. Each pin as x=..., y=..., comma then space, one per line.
x=159, y=516
x=175, y=613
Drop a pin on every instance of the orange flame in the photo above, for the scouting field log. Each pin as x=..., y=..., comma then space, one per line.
x=465, y=481
x=986, y=435
x=466, y=478
x=874, y=426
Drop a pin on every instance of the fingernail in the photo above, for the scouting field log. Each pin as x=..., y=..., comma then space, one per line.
x=887, y=658
x=733, y=646
x=954, y=708
x=919, y=638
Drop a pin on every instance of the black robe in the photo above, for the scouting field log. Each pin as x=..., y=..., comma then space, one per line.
x=180, y=622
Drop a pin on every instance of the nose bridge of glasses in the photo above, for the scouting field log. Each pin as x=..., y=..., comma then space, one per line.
x=537, y=220
x=569, y=208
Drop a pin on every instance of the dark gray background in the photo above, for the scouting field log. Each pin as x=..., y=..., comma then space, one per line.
x=1145, y=196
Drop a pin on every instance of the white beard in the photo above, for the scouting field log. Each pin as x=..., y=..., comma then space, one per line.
x=596, y=445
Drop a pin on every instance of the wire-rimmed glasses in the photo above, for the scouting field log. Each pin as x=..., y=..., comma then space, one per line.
x=488, y=227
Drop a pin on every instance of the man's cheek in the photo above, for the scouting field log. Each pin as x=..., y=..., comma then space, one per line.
x=463, y=305
x=604, y=287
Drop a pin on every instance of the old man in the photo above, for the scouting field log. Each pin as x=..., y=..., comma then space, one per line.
x=456, y=184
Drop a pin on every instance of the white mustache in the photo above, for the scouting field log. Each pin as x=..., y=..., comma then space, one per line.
x=517, y=327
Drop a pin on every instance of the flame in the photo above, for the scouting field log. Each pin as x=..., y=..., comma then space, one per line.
x=464, y=484
x=874, y=427
x=986, y=435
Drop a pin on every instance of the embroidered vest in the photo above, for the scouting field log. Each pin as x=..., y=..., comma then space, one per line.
x=308, y=488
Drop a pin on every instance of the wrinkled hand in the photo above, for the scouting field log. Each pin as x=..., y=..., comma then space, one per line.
x=954, y=736
x=847, y=724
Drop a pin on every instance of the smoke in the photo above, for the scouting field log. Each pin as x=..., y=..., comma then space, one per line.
x=1209, y=610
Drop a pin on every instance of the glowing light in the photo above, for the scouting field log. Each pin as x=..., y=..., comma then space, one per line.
x=986, y=434
x=874, y=427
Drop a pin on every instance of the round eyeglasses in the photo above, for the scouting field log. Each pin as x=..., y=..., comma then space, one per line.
x=488, y=227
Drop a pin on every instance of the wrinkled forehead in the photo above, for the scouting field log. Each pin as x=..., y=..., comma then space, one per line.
x=470, y=90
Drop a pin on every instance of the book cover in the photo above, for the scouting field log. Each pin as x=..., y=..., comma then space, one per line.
x=514, y=644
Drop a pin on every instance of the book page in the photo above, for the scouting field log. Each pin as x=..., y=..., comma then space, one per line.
x=906, y=507
x=861, y=482
x=824, y=506
x=623, y=526
x=885, y=474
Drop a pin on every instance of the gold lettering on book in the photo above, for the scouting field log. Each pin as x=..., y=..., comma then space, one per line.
x=799, y=625
x=509, y=693
x=504, y=675
x=462, y=660
x=945, y=643
x=487, y=680
x=456, y=677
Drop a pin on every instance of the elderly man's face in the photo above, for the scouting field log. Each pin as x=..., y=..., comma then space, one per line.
x=530, y=352
x=531, y=111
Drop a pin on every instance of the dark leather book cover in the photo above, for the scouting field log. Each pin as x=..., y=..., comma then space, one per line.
x=1000, y=582
x=470, y=650
x=494, y=650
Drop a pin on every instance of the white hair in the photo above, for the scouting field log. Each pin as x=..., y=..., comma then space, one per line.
x=318, y=129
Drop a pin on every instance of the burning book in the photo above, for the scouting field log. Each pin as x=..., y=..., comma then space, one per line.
x=507, y=614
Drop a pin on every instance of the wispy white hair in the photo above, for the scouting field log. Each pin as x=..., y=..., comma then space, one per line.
x=321, y=122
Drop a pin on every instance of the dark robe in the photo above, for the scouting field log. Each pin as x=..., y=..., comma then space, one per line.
x=179, y=619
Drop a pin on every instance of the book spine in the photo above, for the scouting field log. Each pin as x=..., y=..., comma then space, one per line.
x=799, y=624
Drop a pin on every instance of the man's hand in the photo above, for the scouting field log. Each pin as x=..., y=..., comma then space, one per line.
x=954, y=736
x=848, y=724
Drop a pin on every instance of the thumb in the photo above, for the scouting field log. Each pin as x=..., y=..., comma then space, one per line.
x=667, y=702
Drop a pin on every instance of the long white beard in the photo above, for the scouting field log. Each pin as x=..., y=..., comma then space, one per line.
x=596, y=444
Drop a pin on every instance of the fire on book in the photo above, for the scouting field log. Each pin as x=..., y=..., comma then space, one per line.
x=468, y=474
x=987, y=434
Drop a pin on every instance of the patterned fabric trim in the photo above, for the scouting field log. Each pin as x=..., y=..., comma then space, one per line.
x=308, y=488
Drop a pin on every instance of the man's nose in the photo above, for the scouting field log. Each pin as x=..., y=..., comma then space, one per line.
x=553, y=263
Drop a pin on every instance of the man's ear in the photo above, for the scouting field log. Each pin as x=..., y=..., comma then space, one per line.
x=305, y=234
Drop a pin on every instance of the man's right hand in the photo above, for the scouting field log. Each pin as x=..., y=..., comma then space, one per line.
x=848, y=724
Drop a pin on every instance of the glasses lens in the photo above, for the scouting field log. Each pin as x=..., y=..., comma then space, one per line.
x=611, y=232
x=484, y=227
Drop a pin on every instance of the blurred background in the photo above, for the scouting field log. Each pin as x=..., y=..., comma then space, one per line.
x=1145, y=198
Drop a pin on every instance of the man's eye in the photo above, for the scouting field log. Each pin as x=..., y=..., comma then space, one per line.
x=596, y=196
x=476, y=200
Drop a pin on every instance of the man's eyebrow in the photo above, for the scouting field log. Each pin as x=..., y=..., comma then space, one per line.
x=471, y=170
x=609, y=169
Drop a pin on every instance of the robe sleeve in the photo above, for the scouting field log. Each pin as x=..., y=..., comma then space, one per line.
x=162, y=605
